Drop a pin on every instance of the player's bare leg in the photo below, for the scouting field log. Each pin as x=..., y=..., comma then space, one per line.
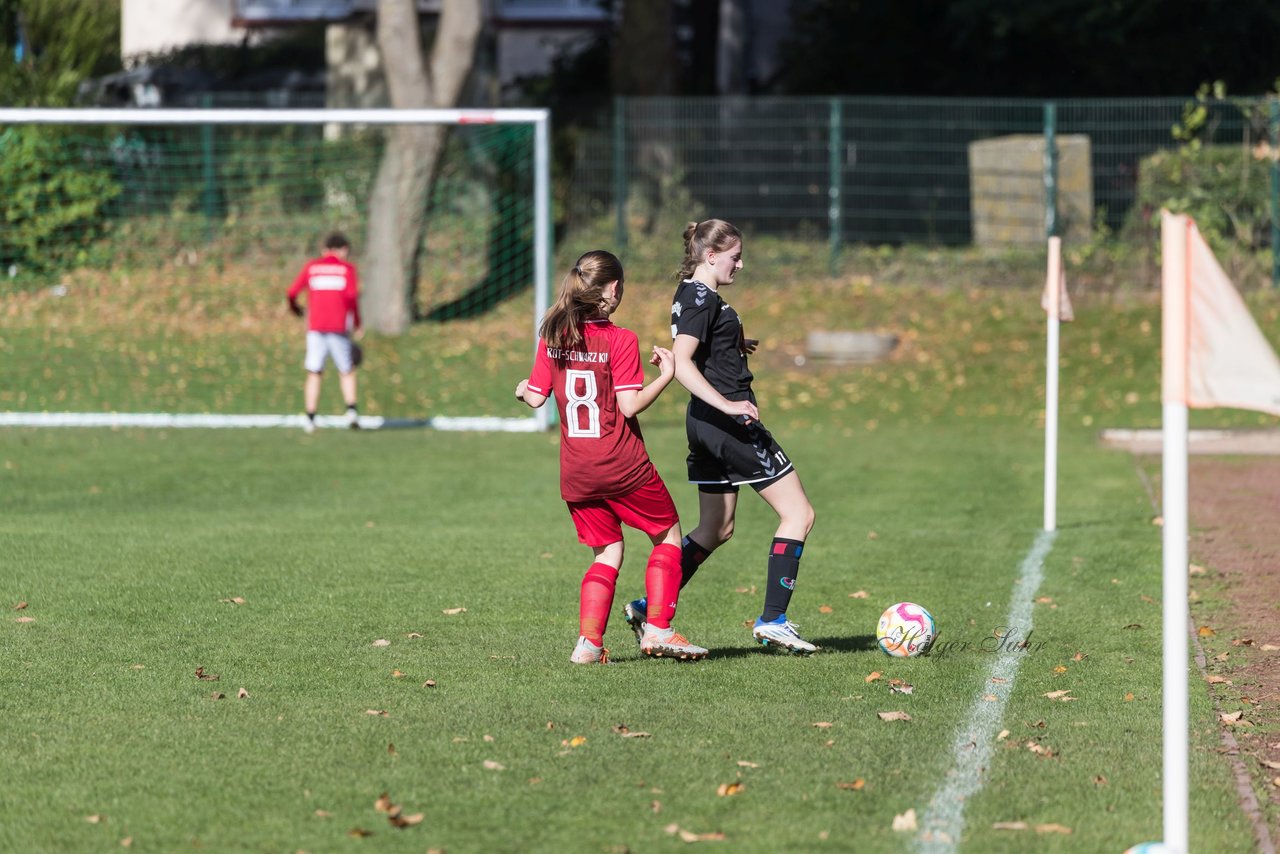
x=311, y=398
x=347, y=382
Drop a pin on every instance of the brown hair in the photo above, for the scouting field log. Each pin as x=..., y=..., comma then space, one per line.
x=581, y=298
x=336, y=240
x=699, y=237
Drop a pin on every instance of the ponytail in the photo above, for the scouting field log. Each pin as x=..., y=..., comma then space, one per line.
x=581, y=298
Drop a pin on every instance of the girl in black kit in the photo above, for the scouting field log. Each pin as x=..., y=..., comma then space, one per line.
x=728, y=446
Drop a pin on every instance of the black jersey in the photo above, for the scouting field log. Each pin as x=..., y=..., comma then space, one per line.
x=722, y=353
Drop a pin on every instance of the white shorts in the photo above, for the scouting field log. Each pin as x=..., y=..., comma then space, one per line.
x=322, y=346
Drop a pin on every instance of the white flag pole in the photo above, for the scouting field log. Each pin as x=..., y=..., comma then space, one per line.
x=1174, y=332
x=1053, y=289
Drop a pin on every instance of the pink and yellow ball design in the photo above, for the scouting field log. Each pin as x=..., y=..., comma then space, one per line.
x=905, y=629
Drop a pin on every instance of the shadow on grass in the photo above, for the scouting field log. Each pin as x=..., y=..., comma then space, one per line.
x=856, y=643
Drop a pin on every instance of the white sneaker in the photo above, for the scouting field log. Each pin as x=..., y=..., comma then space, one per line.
x=659, y=642
x=308, y=426
x=353, y=419
x=588, y=653
x=782, y=632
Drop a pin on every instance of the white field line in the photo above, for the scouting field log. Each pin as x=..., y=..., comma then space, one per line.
x=214, y=421
x=943, y=823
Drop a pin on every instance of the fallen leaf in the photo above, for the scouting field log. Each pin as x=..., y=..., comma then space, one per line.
x=21, y=606
x=415, y=635
x=1009, y=825
x=391, y=749
x=990, y=698
x=449, y=612
x=487, y=738
x=1079, y=656
x=1274, y=766
x=576, y=741
x=25, y=620
x=1099, y=780
x=1128, y=697
x=1242, y=641
x=397, y=674
x=1053, y=828
x=690, y=836
x=137, y=667
x=126, y=842
x=383, y=803
x=242, y=694
x=636, y=734
x=998, y=680
x=1044, y=600
x=1269, y=647
x=855, y=786
x=859, y=594
x=898, y=686
x=1195, y=569
x=1004, y=733
x=359, y=833
x=234, y=600
x=405, y=820
x=218, y=695
x=431, y=683
x=206, y=677
x=872, y=676
x=491, y=765
x=872, y=535
x=382, y=642
x=381, y=713
x=655, y=807
x=1132, y=626
x=1231, y=718
x=1158, y=521
x=93, y=819
x=1223, y=656
x=1060, y=695
x=905, y=822
x=893, y=716
x=1060, y=669
x=1205, y=632
x=825, y=609
x=742, y=763
x=322, y=814
x=726, y=790
x=823, y=725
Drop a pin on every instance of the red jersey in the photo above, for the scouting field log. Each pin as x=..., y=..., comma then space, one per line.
x=602, y=453
x=333, y=292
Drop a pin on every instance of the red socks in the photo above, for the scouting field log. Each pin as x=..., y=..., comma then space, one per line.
x=597, y=600
x=662, y=585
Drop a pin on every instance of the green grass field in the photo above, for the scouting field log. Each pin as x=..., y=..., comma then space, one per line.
x=280, y=562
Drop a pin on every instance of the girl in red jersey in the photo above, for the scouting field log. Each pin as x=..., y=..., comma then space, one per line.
x=593, y=369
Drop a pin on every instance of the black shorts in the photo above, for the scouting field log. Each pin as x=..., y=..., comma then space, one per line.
x=725, y=454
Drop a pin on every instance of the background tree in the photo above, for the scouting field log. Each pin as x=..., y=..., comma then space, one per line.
x=49, y=46
x=398, y=202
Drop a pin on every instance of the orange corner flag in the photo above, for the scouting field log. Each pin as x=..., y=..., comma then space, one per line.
x=1229, y=362
x=1054, y=299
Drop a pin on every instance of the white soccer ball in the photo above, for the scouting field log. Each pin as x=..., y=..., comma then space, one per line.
x=905, y=629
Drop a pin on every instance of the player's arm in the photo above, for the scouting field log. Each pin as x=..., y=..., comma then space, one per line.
x=533, y=398
x=631, y=402
x=353, y=285
x=683, y=349
x=296, y=288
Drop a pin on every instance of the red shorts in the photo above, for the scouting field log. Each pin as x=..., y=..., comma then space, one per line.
x=648, y=508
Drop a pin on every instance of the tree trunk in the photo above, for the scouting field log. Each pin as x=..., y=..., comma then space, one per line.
x=398, y=202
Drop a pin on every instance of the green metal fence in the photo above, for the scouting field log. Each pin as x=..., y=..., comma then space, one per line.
x=882, y=170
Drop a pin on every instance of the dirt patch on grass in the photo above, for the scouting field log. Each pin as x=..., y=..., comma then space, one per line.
x=1235, y=538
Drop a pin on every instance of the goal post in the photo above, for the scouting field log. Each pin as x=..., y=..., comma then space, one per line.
x=190, y=195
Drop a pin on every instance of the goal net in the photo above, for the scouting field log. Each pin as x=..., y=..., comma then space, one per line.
x=148, y=253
